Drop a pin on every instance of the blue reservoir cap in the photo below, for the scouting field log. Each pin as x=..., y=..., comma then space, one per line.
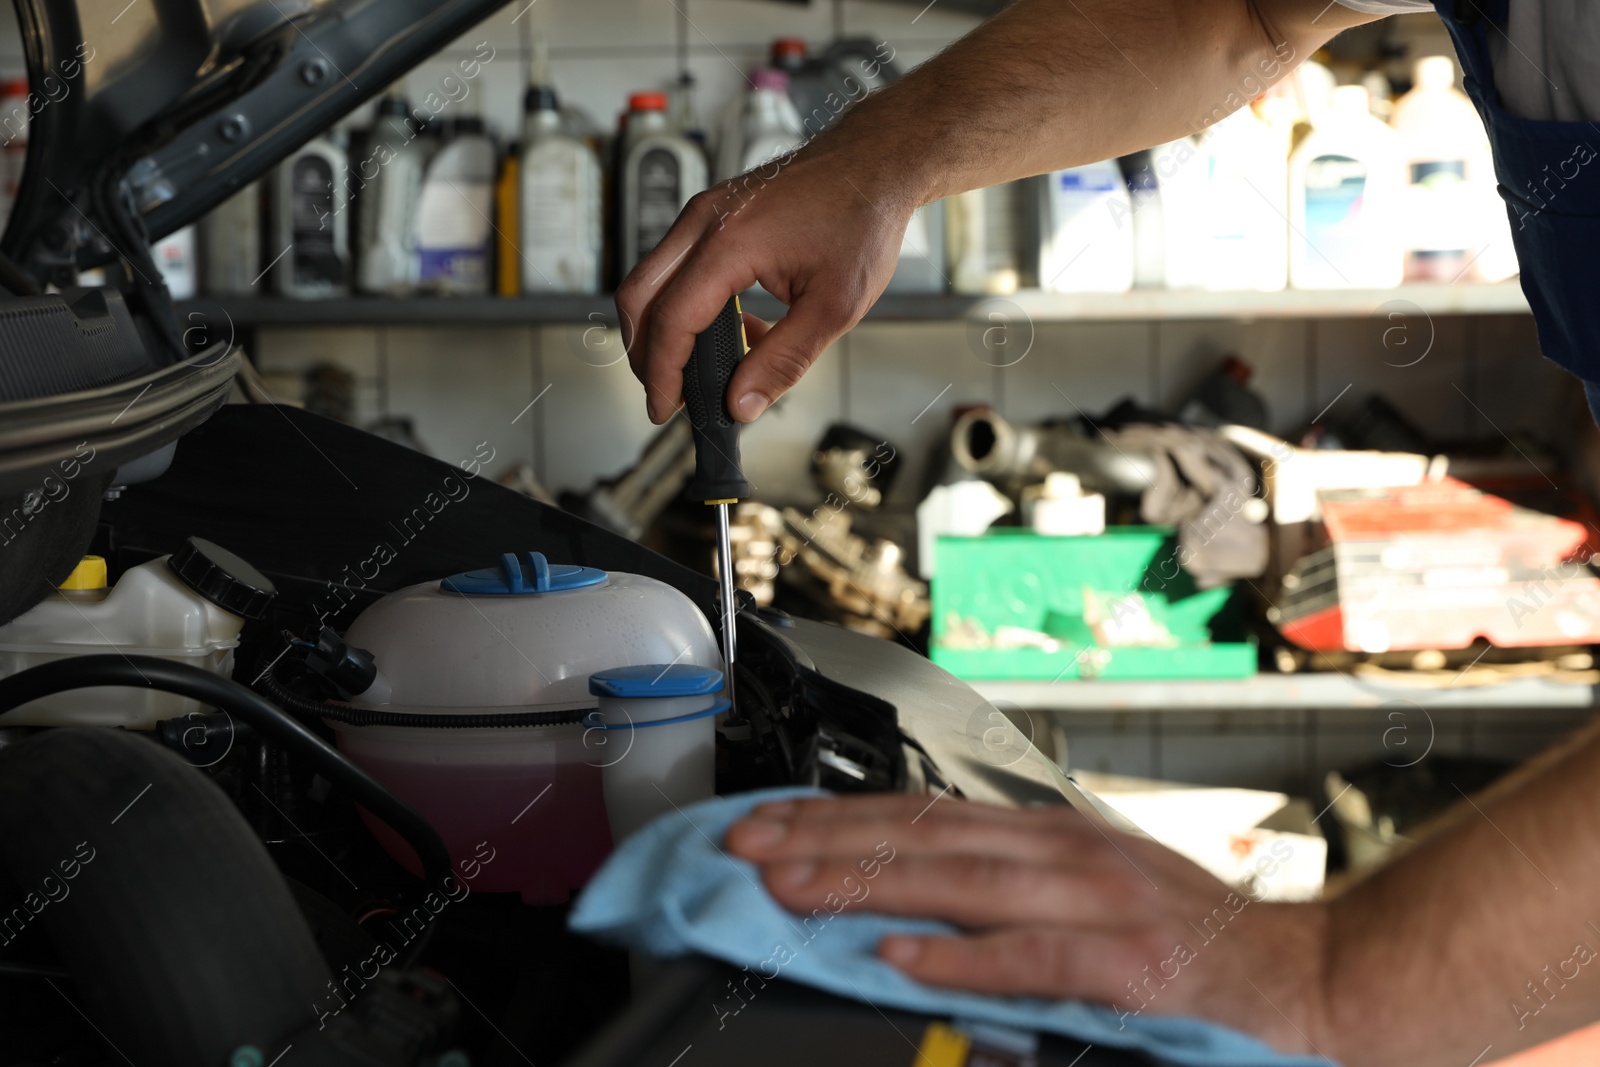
x=512, y=578
x=655, y=680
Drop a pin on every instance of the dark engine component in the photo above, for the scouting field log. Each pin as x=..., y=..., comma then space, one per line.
x=183, y=940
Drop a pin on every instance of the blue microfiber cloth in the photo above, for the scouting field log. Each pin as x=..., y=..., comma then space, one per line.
x=671, y=890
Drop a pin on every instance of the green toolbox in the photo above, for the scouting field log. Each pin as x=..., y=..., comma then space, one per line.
x=1013, y=604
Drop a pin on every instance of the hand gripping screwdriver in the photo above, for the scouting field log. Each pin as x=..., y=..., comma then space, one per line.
x=718, y=475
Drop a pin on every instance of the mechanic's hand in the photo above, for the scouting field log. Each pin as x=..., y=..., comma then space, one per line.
x=819, y=232
x=1050, y=905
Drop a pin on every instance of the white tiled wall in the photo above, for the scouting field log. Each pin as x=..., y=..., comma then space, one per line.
x=599, y=53
x=902, y=381
x=1291, y=750
x=591, y=422
x=1482, y=378
x=451, y=421
x=1276, y=349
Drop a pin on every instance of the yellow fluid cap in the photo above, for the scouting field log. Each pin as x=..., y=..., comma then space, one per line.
x=90, y=573
x=944, y=1046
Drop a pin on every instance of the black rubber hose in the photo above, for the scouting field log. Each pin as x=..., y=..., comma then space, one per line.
x=275, y=690
x=148, y=672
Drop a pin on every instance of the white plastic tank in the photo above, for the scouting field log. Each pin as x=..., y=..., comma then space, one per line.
x=1146, y=198
x=187, y=607
x=14, y=120
x=522, y=636
x=311, y=222
x=1088, y=241
x=230, y=243
x=663, y=755
x=1346, y=181
x=761, y=126
x=1453, y=215
x=920, y=268
x=176, y=260
x=661, y=170
x=392, y=161
x=1230, y=226
x=990, y=238
x=454, y=210
x=808, y=86
x=560, y=203
x=1313, y=86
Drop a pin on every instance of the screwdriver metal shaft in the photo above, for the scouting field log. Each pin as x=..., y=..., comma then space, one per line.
x=730, y=605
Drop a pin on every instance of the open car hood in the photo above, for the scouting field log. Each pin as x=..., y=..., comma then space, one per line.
x=142, y=117
x=174, y=105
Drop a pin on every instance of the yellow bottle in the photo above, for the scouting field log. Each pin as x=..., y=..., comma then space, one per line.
x=508, y=254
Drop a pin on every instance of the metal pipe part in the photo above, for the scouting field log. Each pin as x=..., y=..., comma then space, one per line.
x=985, y=444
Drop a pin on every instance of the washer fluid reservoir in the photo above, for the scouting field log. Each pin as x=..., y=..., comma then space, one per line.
x=523, y=636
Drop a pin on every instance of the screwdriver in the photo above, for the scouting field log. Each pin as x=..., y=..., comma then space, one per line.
x=718, y=475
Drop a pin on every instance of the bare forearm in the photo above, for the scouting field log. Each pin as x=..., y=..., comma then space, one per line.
x=1045, y=84
x=1484, y=934
x=1048, y=84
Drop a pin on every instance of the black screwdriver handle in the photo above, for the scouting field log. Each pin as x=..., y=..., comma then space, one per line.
x=718, y=473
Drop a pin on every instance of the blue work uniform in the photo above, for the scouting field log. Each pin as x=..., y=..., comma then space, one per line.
x=1549, y=177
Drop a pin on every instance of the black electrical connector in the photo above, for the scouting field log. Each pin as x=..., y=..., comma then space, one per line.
x=202, y=738
x=349, y=668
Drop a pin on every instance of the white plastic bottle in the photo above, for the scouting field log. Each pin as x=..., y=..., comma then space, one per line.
x=660, y=172
x=391, y=168
x=1083, y=247
x=175, y=257
x=1450, y=184
x=560, y=203
x=683, y=111
x=986, y=234
x=1169, y=190
x=1313, y=87
x=768, y=126
x=230, y=243
x=1183, y=188
x=150, y=611
x=920, y=268
x=1346, y=183
x=808, y=83
x=14, y=117
x=1496, y=257
x=454, y=211
x=311, y=222
x=627, y=133
x=1240, y=230
x=729, y=146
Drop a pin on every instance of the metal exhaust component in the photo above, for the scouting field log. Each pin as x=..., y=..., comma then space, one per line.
x=985, y=444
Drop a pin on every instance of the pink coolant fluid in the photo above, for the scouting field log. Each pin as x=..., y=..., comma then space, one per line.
x=521, y=809
x=545, y=822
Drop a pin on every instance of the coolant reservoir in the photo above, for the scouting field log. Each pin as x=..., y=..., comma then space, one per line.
x=522, y=636
x=187, y=607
